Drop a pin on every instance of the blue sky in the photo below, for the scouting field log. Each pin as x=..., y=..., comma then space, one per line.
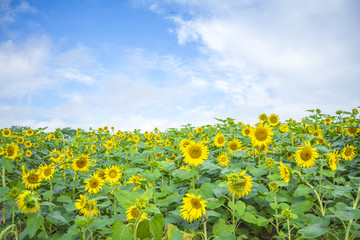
x=140, y=64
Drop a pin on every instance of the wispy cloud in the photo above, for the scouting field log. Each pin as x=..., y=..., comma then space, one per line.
x=9, y=10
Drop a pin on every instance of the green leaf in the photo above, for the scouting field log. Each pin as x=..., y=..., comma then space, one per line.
x=221, y=226
x=174, y=197
x=207, y=190
x=156, y=226
x=4, y=191
x=256, y=171
x=302, y=190
x=143, y=230
x=184, y=175
x=176, y=235
x=301, y=207
x=64, y=199
x=101, y=223
x=125, y=198
x=48, y=194
x=120, y=231
x=249, y=217
x=225, y=235
x=57, y=215
x=313, y=231
x=33, y=223
x=239, y=207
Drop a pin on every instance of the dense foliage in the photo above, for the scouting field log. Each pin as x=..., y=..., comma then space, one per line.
x=273, y=180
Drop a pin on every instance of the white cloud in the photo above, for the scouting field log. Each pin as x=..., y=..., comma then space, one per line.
x=9, y=11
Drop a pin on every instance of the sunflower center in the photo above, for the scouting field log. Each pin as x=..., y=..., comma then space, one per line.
x=223, y=159
x=112, y=174
x=261, y=134
x=348, y=152
x=10, y=151
x=195, y=203
x=220, y=140
x=47, y=172
x=94, y=183
x=81, y=162
x=352, y=130
x=135, y=212
x=32, y=178
x=195, y=152
x=247, y=131
x=306, y=154
x=233, y=146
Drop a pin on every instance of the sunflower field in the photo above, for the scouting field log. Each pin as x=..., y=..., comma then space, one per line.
x=271, y=180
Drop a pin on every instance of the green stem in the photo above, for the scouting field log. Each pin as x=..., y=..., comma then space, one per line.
x=3, y=176
x=289, y=231
x=205, y=231
x=276, y=212
x=351, y=220
x=233, y=216
x=43, y=228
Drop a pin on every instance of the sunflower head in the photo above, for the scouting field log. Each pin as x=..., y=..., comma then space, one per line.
x=31, y=179
x=82, y=163
x=273, y=119
x=195, y=153
x=94, y=184
x=348, y=153
x=219, y=140
x=28, y=202
x=306, y=155
x=12, y=151
x=261, y=135
x=239, y=184
x=193, y=207
x=223, y=160
x=285, y=173
x=234, y=145
x=133, y=213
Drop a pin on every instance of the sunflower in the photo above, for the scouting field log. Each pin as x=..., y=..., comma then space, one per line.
x=284, y=172
x=273, y=119
x=28, y=153
x=352, y=131
x=261, y=135
x=186, y=168
x=348, y=153
x=29, y=132
x=284, y=128
x=234, y=145
x=306, y=155
x=46, y=171
x=28, y=144
x=109, y=144
x=193, y=207
x=81, y=164
x=1, y=151
x=223, y=159
x=20, y=140
x=31, y=179
x=90, y=209
x=333, y=158
x=6, y=132
x=239, y=184
x=355, y=111
x=184, y=143
x=269, y=162
x=133, y=213
x=246, y=130
x=81, y=202
x=12, y=151
x=28, y=202
x=195, y=153
x=113, y=174
x=262, y=117
x=94, y=184
x=219, y=140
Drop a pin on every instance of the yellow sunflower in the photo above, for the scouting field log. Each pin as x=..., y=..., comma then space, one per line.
x=234, y=145
x=28, y=144
x=6, y=132
x=284, y=128
x=246, y=130
x=239, y=184
x=109, y=144
x=113, y=174
x=29, y=132
x=82, y=163
x=219, y=140
x=94, y=184
x=133, y=213
x=284, y=172
x=193, y=207
x=306, y=155
x=46, y=171
x=261, y=135
x=223, y=160
x=1, y=151
x=273, y=119
x=81, y=202
x=31, y=179
x=28, y=153
x=184, y=143
x=28, y=202
x=90, y=209
x=348, y=153
x=195, y=153
x=12, y=151
x=333, y=159
x=262, y=117
x=352, y=131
